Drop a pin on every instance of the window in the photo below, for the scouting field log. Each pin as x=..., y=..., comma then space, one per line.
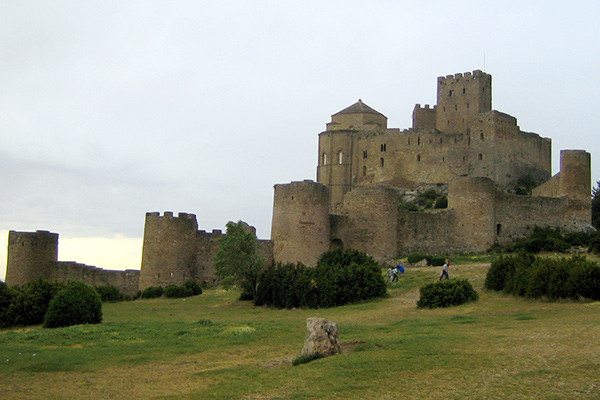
x=418, y=157
x=383, y=147
x=464, y=90
x=450, y=94
x=381, y=161
x=481, y=135
x=365, y=154
x=365, y=170
x=480, y=156
x=340, y=157
x=324, y=158
x=418, y=140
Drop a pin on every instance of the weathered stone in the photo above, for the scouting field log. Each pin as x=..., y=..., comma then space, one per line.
x=323, y=338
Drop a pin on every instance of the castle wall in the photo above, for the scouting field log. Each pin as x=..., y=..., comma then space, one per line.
x=517, y=215
x=126, y=281
x=371, y=224
x=474, y=205
x=30, y=256
x=169, y=249
x=430, y=232
x=300, y=228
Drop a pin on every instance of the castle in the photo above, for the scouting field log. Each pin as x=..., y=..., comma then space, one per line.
x=459, y=147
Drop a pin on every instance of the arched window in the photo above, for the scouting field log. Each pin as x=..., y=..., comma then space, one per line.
x=480, y=156
x=481, y=135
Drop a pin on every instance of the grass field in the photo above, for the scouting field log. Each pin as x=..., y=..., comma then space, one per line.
x=215, y=347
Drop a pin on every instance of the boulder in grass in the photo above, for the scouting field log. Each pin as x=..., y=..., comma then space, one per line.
x=322, y=338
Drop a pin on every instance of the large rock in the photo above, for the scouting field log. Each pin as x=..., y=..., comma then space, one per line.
x=323, y=338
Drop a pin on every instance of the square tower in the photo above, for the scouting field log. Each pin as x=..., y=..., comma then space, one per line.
x=460, y=98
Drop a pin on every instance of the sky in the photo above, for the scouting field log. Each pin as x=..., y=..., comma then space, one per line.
x=112, y=109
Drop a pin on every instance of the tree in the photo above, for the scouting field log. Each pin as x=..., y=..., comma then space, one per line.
x=596, y=206
x=237, y=262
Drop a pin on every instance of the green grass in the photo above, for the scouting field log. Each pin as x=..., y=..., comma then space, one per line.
x=213, y=346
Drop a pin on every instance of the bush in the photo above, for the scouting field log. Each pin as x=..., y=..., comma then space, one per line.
x=525, y=275
x=7, y=294
x=340, y=277
x=76, y=304
x=110, y=292
x=416, y=257
x=31, y=302
x=447, y=293
x=152, y=292
x=174, y=291
x=193, y=287
x=503, y=269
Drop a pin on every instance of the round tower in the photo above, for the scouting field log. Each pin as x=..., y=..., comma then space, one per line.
x=30, y=256
x=300, y=230
x=575, y=174
x=169, y=249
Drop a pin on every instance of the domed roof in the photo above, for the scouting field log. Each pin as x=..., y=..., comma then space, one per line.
x=359, y=108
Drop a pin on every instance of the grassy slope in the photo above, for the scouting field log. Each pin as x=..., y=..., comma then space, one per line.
x=215, y=347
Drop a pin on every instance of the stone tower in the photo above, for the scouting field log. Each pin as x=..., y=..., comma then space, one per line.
x=336, y=148
x=30, y=256
x=300, y=230
x=460, y=98
x=169, y=252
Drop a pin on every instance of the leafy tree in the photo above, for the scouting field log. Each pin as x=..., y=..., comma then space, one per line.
x=237, y=262
x=596, y=206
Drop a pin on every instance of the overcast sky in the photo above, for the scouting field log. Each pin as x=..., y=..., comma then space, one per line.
x=112, y=109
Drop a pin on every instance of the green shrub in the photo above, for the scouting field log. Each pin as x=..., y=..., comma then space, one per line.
x=340, y=277
x=436, y=261
x=504, y=267
x=525, y=275
x=31, y=302
x=346, y=276
x=447, y=293
x=7, y=294
x=152, y=292
x=193, y=287
x=416, y=257
x=174, y=291
x=110, y=292
x=76, y=304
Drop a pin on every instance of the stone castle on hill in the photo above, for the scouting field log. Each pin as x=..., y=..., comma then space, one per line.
x=460, y=148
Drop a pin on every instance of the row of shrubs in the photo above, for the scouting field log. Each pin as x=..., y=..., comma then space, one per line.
x=49, y=303
x=525, y=275
x=76, y=302
x=340, y=277
x=545, y=239
x=188, y=289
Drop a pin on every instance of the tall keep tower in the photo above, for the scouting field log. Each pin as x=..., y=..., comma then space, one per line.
x=460, y=98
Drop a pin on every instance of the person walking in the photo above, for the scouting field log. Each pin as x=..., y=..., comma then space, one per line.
x=445, y=270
